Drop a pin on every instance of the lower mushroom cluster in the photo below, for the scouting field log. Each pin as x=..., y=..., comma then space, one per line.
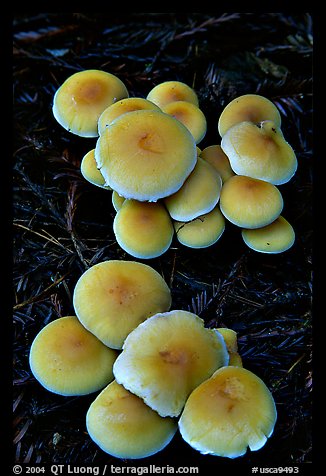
x=158, y=370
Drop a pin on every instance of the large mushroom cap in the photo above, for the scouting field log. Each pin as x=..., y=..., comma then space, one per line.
x=228, y=413
x=166, y=357
x=201, y=232
x=219, y=160
x=249, y=107
x=122, y=107
x=260, y=151
x=171, y=91
x=199, y=194
x=90, y=171
x=111, y=298
x=146, y=155
x=277, y=237
x=190, y=115
x=81, y=99
x=64, y=355
x=121, y=424
x=250, y=203
x=143, y=229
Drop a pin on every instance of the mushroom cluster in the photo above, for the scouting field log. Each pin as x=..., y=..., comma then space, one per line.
x=156, y=370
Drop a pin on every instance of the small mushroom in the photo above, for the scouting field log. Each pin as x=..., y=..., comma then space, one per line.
x=198, y=195
x=64, y=355
x=117, y=200
x=250, y=203
x=143, y=229
x=276, y=237
x=202, y=231
x=112, y=297
x=166, y=357
x=249, y=107
x=231, y=341
x=171, y=91
x=260, y=151
x=145, y=155
x=229, y=412
x=190, y=115
x=122, y=107
x=122, y=425
x=219, y=160
x=90, y=171
x=81, y=99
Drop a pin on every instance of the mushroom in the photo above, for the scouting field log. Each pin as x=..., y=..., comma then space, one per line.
x=117, y=200
x=231, y=341
x=64, y=355
x=143, y=229
x=112, y=297
x=250, y=203
x=229, y=412
x=171, y=91
x=146, y=155
x=260, y=151
x=81, y=99
x=166, y=357
x=249, y=107
x=190, y=115
x=199, y=194
x=122, y=425
x=276, y=237
x=219, y=160
x=90, y=171
x=122, y=107
x=202, y=231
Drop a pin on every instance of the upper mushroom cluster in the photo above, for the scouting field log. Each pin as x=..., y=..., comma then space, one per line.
x=157, y=370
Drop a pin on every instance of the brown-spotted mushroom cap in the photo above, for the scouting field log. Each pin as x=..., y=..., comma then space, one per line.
x=81, y=99
x=202, y=231
x=166, y=357
x=199, y=194
x=171, y=91
x=68, y=360
x=219, y=160
x=249, y=107
x=146, y=155
x=260, y=151
x=90, y=171
x=122, y=425
x=143, y=229
x=121, y=107
x=111, y=298
x=229, y=412
x=276, y=237
x=190, y=115
x=250, y=203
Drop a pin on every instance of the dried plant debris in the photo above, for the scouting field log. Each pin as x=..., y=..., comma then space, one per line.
x=62, y=225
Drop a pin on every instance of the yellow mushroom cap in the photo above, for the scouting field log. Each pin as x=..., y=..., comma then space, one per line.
x=199, y=194
x=249, y=107
x=117, y=200
x=146, y=155
x=249, y=202
x=231, y=341
x=171, y=91
x=190, y=115
x=219, y=160
x=90, y=171
x=81, y=99
x=235, y=359
x=122, y=425
x=166, y=357
x=276, y=237
x=228, y=413
x=260, y=151
x=201, y=232
x=111, y=298
x=68, y=360
x=122, y=107
x=143, y=229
